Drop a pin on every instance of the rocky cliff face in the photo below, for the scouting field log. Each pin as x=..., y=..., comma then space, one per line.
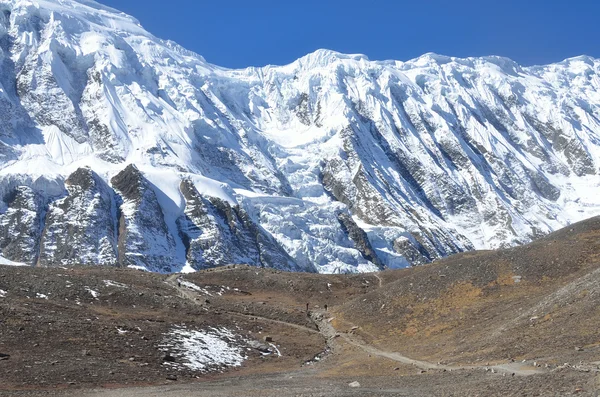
x=81, y=228
x=333, y=163
x=216, y=234
x=21, y=225
x=144, y=238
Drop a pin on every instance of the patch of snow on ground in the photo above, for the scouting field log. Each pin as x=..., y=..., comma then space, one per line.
x=95, y=294
x=3, y=293
x=142, y=268
x=110, y=283
x=205, y=350
x=276, y=349
x=6, y=262
x=194, y=287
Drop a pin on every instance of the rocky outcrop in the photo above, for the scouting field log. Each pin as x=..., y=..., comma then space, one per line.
x=216, y=233
x=359, y=238
x=411, y=250
x=144, y=238
x=81, y=228
x=21, y=225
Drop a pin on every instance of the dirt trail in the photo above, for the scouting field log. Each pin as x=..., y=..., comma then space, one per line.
x=191, y=296
x=380, y=281
x=255, y=317
x=326, y=329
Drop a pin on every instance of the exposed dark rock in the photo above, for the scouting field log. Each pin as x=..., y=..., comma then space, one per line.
x=360, y=239
x=20, y=225
x=144, y=238
x=169, y=358
x=216, y=234
x=82, y=227
x=413, y=251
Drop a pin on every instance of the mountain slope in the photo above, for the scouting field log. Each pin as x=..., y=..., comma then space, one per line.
x=425, y=158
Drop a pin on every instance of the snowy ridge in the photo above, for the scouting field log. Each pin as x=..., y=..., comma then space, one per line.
x=333, y=163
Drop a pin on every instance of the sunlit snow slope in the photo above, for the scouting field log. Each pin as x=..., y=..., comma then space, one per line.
x=119, y=148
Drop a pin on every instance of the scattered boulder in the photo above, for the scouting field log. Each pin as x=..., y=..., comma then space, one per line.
x=172, y=377
x=268, y=339
x=354, y=384
x=169, y=358
x=261, y=347
x=579, y=349
x=4, y=356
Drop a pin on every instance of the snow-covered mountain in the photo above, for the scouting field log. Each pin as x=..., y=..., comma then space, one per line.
x=123, y=149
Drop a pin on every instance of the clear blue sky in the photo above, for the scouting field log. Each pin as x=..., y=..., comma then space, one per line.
x=234, y=33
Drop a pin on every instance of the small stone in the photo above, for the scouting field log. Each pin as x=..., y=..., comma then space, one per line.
x=169, y=358
x=354, y=384
x=172, y=377
x=579, y=349
x=268, y=339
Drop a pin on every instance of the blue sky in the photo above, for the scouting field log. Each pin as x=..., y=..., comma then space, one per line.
x=235, y=33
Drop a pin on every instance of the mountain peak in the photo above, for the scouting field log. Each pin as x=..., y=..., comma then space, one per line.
x=92, y=13
x=325, y=57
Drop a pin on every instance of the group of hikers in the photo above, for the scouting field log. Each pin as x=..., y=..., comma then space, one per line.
x=307, y=305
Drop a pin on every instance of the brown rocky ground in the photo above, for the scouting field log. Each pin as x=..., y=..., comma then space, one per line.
x=460, y=326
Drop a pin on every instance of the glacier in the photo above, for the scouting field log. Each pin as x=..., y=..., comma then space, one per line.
x=118, y=148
